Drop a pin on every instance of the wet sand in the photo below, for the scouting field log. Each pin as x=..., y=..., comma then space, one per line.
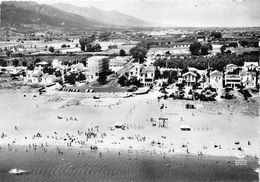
x=82, y=165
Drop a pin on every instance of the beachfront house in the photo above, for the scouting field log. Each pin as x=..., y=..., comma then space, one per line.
x=249, y=79
x=232, y=80
x=33, y=77
x=97, y=65
x=143, y=73
x=232, y=76
x=189, y=78
x=147, y=76
x=216, y=79
x=251, y=66
x=135, y=71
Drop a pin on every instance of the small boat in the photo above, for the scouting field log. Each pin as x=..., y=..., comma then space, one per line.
x=17, y=171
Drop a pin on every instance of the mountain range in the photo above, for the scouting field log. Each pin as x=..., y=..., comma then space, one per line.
x=20, y=13
x=101, y=16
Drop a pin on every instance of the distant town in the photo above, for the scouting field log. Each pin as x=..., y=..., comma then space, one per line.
x=193, y=60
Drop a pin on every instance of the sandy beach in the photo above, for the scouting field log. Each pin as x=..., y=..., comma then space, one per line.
x=76, y=120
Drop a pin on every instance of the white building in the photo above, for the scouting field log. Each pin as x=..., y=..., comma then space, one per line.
x=135, y=71
x=79, y=67
x=117, y=63
x=142, y=73
x=232, y=80
x=190, y=78
x=97, y=65
x=216, y=79
x=251, y=66
x=147, y=76
x=33, y=77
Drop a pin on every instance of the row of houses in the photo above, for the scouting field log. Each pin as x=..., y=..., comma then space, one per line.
x=232, y=77
x=94, y=66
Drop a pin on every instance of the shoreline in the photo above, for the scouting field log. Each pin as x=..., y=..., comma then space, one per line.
x=86, y=165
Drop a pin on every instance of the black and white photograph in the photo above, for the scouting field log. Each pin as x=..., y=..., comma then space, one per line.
x=129, y=90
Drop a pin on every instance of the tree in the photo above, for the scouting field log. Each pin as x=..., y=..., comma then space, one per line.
x=216, y=35
x=30, y=67
x=80, y=77
x=122, y=80
x=204, y=50
x=122, y=52
x=195, y=48
x=133, y=81
x=84, y=41
x=37, y=60
x=51, y=49
x=8, y=53
x=223, y=48
x=104, y=36
x=58, y=73
x=15, y=62
x=63, y=46
x=24, y=63
x=102, y=78
x=233, y=44
x=97, y=48
x=157, y=74
x=138, y=53
x=71, y=78
x=3, y=63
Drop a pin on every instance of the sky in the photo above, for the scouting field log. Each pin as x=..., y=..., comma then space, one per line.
x=186, y=13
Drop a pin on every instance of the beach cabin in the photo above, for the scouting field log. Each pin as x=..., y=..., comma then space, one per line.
x=190, y=78
x=232, y=80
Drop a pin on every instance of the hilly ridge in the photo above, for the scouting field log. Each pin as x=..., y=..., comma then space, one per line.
x=105, y=17
x=21, y=13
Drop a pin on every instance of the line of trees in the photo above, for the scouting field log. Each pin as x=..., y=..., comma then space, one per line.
x=217, y=62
